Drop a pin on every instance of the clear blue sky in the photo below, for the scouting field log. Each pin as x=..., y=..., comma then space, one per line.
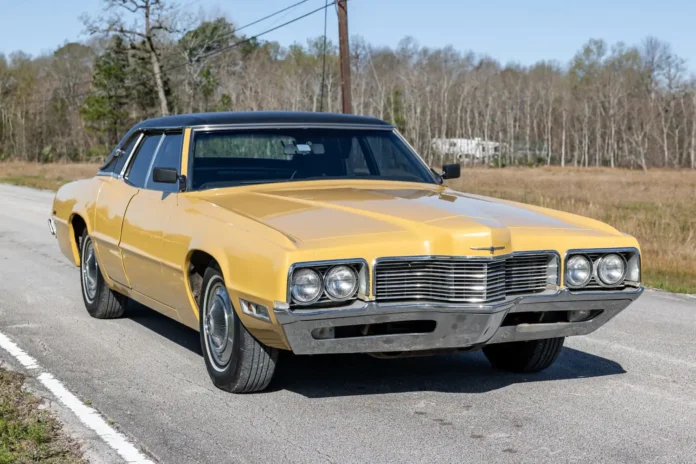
x=508, y=30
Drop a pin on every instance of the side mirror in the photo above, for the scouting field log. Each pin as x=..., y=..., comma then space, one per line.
x=165, y=175
x=451, y=171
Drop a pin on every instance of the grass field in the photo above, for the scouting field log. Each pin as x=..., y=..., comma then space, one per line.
x=27, y=433
x=44, y=176
x=657, y=207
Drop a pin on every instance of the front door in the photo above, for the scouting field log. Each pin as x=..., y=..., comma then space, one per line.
x=148, y=216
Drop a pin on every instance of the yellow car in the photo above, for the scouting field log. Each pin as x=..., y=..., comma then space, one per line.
x=323, y=233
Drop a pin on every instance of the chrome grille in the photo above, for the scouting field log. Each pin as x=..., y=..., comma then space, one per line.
x=529, y=273
x=463, y=280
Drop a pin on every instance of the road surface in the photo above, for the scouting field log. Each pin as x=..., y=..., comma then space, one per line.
x=626, y=393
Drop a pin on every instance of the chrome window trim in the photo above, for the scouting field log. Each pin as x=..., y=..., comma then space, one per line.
x=585, y=251
x=373, y=290
x=289, y=125
x=133, y=155
x=141, y=136
x=331, y=262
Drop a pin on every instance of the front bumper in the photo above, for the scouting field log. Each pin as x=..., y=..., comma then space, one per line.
x=456, y=326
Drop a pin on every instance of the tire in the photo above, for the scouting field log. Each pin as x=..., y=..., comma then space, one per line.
x=532, y=356
x=236, y=361
x=101, y=302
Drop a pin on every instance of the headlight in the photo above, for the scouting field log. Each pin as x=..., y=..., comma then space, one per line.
x=340, y=282
x=578, y=271
x=611, y=269
x=306, y=286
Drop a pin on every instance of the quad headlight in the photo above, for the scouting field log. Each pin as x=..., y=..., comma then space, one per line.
x=307, y=286
x=603, y=268
x=327, y=282
x=340, y=282
x=611, y=269
x=578, y=271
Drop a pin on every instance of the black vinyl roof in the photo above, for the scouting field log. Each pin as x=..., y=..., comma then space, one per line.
x=259, y=117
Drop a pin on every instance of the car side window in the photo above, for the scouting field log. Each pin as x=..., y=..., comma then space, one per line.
x=137, y=171
x=168, y=156
x=115, y=166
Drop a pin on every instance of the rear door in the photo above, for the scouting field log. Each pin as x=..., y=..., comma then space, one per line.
x=112, y=201
x=148, y=215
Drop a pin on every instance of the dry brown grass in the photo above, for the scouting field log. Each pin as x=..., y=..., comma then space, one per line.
x=45, y=176
x=657, y=207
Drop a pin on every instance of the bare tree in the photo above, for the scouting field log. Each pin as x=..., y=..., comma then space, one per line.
x=150, y=20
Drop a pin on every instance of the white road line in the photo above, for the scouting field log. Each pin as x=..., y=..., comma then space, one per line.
x=12, y=348
x=94, y=421
x=87, y=415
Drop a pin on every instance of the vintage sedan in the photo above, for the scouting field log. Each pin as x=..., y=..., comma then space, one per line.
x=324, y=233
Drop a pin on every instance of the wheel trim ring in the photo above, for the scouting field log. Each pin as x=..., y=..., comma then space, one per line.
x=218, y=340
x=90, y=270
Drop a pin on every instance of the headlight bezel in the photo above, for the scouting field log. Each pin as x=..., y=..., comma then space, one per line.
x=632, y=271
x=358, y=266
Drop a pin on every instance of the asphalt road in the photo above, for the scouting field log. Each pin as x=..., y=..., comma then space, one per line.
x=626, y=393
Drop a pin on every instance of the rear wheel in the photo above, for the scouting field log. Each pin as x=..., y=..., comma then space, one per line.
x=235, y=360
x=101, y=302
x=531, y=356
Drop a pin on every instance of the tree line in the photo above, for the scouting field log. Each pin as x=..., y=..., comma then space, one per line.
x=620, y=106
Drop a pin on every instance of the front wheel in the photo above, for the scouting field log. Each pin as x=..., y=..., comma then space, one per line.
x=531, y=356
x=101, y=302
x=235, y=360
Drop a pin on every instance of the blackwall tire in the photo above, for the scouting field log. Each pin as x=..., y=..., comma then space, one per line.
x=235, y=360
x=531, y=356
x=101, y=302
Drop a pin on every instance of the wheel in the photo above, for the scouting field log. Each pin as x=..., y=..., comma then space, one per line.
x=236, y=361
x=101, y=302
x=532, y=356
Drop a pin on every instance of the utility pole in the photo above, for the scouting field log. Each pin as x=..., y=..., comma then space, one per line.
x=344, y=50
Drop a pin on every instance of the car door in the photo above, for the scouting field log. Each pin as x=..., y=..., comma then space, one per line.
x=148, y=215
x=112, y=200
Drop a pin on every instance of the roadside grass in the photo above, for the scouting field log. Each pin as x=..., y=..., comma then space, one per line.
x=44, y=176
x=657, y=207
x=27, y=433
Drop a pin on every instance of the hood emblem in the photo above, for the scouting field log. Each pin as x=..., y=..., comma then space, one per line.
x=492, y=249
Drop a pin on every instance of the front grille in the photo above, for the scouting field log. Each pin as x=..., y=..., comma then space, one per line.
x=463, y=280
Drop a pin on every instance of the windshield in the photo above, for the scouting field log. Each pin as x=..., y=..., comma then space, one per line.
x=230, y=158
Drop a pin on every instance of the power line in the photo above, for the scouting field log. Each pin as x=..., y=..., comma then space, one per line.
x=323, y=58
x=270, y=16
x=254, y=37
x=231, y=46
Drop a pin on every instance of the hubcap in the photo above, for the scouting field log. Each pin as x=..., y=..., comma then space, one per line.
x=90, y=270
x=217, y=325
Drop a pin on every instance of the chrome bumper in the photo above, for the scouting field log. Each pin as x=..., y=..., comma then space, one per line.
x=456, y=326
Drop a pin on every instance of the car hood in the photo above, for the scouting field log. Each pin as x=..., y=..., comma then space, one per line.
x=327, y=210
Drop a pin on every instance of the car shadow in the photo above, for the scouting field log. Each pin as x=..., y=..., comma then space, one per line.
x=325, y=376
x=164, y=326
